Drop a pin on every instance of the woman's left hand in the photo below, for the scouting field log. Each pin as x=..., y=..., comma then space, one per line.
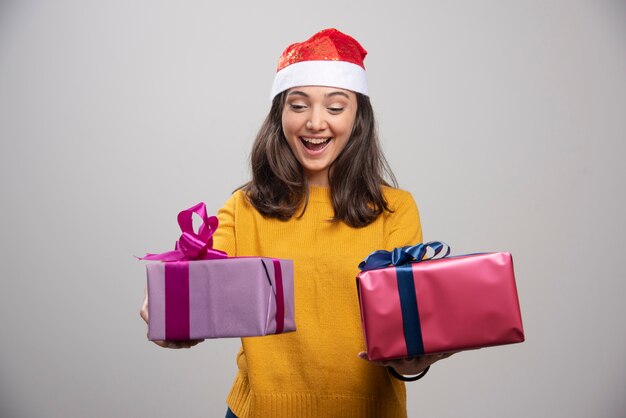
x=409, y=366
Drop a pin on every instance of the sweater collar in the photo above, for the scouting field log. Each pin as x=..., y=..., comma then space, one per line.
x=319, y=194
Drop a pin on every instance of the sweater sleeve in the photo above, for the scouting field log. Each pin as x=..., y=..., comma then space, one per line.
x=224, y=238
x=403, y=226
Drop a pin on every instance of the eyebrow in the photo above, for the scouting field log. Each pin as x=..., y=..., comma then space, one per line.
x=334, y=93
x=337, y=93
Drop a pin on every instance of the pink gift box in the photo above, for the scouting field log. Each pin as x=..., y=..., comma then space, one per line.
x=231, y=297
x=458, y=303
x=197, y=292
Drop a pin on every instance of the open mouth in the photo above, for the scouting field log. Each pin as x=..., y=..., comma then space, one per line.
x=315, y=144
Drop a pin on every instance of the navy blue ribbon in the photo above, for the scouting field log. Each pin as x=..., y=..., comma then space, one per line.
x=404, y=255
x=402, y=258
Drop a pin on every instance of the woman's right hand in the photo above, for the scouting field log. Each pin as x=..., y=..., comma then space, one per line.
x=164, y=343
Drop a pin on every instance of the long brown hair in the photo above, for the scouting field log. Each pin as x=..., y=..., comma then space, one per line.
x=279, y=187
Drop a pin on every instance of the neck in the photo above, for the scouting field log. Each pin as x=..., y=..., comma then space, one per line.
x=318, y=179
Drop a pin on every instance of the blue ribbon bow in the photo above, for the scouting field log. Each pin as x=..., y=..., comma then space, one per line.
x=404, y=255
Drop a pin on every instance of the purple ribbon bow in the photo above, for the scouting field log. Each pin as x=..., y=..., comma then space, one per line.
x=192, y=245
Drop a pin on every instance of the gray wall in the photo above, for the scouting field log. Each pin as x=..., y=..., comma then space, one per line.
x=504, y=119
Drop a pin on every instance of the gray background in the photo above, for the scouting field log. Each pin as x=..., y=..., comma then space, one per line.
x=504, y=119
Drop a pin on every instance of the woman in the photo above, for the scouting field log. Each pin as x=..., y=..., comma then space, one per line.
x=318, y=195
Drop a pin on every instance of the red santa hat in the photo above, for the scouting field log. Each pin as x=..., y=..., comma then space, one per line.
x=328, y=58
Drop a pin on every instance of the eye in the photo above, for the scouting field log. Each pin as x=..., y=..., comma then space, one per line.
x=335, y=109
x=297, y=107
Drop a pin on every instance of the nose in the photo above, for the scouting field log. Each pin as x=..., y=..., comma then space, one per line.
x=317, y=121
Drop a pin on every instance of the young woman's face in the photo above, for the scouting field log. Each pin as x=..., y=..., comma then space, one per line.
x=317, y=122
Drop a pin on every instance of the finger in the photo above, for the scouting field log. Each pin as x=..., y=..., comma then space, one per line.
x=363, y=356
x=144, y=306
x=432, y=359
x=172, y=344
x=160, y=343
x=442, y=356
x=194, y=342
x=144, y=314
x=176, y=345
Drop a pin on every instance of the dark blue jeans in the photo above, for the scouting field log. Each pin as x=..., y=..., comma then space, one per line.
x=229, y=414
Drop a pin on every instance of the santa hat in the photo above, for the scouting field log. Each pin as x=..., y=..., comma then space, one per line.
x=328, y=58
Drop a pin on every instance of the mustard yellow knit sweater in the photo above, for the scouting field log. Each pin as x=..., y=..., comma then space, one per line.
x=315, y=372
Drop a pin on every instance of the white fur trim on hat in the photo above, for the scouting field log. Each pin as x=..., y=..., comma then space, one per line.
x=341, y=74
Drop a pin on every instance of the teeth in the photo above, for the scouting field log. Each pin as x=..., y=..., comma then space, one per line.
x=315, y=140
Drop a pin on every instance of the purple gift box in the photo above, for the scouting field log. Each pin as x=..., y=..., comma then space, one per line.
x=197, y=292
x=234, y=297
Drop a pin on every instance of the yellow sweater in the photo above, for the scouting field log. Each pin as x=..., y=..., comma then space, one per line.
x=315, y=372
